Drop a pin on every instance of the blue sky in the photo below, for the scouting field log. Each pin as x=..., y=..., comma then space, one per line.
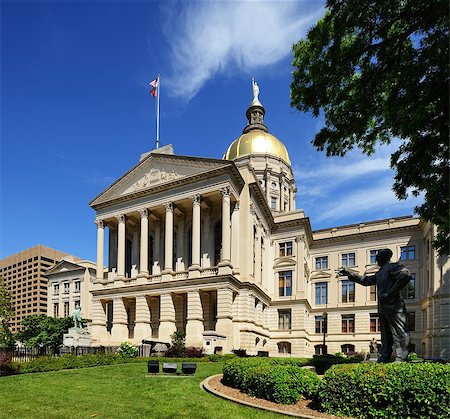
x=76, y=112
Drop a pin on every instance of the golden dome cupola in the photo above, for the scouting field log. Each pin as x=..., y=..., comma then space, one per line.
x=255, y=138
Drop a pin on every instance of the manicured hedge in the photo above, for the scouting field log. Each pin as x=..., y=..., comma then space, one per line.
x=278, y=380
x=398, y=390
x=323, y=362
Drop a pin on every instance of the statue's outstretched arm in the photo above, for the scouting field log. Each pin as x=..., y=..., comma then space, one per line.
x=364, y=280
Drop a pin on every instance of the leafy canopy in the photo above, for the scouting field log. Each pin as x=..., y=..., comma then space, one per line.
x=6, y=313
x=379, y=70
x=42, y=330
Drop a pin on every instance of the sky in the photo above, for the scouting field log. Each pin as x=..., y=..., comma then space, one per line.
x=76, y=112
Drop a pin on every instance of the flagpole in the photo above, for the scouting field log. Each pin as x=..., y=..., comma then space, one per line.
x=158, y=91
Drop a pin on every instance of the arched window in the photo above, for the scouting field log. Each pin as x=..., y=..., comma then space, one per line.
x=347, y=348
x=217, y=243
x=284, y=347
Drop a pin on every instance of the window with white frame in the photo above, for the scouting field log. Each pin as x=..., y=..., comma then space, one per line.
x=322, y=262
x=284, y=319
x=273, y=202
x=284, y=347
x=348, y=259
x=286, y=249
x=66, y=287
x=321, y=289
x=373, y=256
x=77, y=285
x=348, y=292
x=55, y=310
x=320, y=324
x=66, y=309
x=348, y=323
x=56, y=289
x=407, y=252
x=285, y=283
x=374, y=323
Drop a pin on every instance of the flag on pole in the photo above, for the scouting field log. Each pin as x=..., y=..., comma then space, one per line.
x=154, y=88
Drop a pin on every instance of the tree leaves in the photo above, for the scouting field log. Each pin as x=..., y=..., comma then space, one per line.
x=378, y=70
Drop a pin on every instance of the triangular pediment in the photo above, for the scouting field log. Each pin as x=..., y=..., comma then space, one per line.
x=157, y=170
x=64, y=266
x=320, y=275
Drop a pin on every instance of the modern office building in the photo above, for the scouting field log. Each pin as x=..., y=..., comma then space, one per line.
x=24, y=274
x=216, y=247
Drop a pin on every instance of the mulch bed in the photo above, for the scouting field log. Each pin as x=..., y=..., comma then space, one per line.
x=304, y=407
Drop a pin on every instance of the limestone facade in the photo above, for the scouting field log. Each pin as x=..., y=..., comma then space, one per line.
x=216, y=248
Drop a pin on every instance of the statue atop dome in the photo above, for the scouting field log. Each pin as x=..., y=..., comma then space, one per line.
x=255, y=88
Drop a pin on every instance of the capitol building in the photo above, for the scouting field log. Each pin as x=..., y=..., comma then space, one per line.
x=217, y=248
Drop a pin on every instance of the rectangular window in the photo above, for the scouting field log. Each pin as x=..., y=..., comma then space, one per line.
x=55, y=310
x=348, y=259
x=285, y=283
x=373, y=255
x=407, y=253
x=321, y=293
x=348, y=292
x=66, y=287
x=286, y=249
x=409, y=292
x=56, y=289
x=411, y=321
x=348, y=323
x=320, y=324
x=373, y=293
x=284, y=319
x=77, y=303
x=77, y=285
x=374, y=323
x=66, y=309
x=273, y=203
x=322, y=262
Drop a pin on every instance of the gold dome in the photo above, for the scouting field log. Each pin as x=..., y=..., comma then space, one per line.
x=257, y=141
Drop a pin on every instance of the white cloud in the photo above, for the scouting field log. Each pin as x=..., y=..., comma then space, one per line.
x=211, y=37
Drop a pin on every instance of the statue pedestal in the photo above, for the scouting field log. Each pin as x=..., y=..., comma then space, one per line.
x=77, y=337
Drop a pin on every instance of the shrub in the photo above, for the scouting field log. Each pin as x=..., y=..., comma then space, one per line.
x=7, y=368
x=240, y=352
x=220, y=358
x=127, y=350
x=398, y=390
x=193, y=352
x=271, y=379
x=323, y=362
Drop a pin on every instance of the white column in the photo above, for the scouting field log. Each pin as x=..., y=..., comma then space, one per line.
x=293, y=191
x=224, y=324
x=195, y=232
x=157, y=249
x=100, y=248
x=180, y=262
x=167, y=316
x=194, y=325
x=168, y=248
x=121, y=246
x=268, y=187
x=226, y=222
x=258, y=254
x=119, y=331
x=207, y=243
x=142, y=329
x=235, y=239
x=143, y=265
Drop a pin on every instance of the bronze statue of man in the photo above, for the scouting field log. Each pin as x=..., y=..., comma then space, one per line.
x=390, y=279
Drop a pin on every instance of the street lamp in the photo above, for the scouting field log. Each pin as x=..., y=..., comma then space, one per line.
x=324, y=327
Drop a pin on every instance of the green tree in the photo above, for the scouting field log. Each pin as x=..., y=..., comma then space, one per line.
x=42, y=330
x=6, y=313
x=379, y=70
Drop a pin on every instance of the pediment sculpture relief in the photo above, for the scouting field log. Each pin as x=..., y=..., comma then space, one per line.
x=154, y=176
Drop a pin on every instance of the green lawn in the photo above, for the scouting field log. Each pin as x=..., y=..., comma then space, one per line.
x=117, y=391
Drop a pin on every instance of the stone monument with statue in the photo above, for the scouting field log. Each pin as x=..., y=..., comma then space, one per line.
x=77, y=335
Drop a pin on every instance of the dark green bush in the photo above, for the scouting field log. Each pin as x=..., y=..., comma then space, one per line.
x=278, y=380
x=323, y=362
x=398, y=390
x=7, y=368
